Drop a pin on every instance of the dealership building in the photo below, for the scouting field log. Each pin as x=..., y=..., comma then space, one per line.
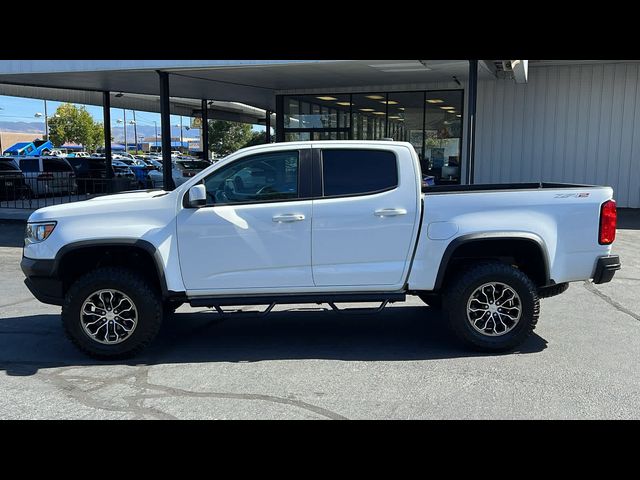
x=471, y=121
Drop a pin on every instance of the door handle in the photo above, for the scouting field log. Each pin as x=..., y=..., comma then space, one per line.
x=390, y=212
x=288, y=217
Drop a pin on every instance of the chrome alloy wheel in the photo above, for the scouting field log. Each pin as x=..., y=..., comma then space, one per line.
x=108, y=316
x=494, y=309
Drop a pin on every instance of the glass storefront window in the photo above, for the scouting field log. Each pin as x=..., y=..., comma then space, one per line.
x=369, y=112
x=316, y=112
x=443, y=136
x=430, y=120
x=406, y=119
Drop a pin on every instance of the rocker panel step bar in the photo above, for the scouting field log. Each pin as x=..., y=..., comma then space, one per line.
x=295, y=298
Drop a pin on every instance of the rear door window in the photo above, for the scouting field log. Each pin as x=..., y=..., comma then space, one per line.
x=348, y=172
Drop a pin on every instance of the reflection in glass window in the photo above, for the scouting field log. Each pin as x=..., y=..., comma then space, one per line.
x=259, y=178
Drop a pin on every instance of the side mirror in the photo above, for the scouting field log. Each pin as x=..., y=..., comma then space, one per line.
x=197, y=196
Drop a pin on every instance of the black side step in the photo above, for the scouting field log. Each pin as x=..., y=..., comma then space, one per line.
x=297, y=298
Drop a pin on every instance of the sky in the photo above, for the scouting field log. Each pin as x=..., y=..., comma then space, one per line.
x=17, y=109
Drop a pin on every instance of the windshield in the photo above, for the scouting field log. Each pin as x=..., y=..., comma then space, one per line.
x=7, y=166
x=193, y=165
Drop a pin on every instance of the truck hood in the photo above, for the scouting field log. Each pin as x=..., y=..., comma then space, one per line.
x=105, y=205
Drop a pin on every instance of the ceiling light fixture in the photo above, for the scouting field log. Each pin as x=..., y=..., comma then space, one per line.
x=378, y=113
x=447, y=108
x=344, y=104
x=390, y=102
x=422, y=69
x=375, y=97
x=367, y=109
x=435, y=100
x=396, y=65
x=326, y=98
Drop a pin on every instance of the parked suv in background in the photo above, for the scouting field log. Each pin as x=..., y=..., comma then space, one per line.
x=12, y=184
x=91, y=175
x=48, y=175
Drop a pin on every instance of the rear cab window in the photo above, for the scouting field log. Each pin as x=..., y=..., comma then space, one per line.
x=349, y=172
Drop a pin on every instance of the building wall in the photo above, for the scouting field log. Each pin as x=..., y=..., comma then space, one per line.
x=7, y=139
x=574, y=123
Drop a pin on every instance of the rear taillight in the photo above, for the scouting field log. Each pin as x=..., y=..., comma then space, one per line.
x=608, y=220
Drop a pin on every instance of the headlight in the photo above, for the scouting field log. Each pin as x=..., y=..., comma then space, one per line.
x=38, y=232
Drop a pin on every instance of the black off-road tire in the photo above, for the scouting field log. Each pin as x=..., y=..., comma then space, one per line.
x=147, y=301
x=169, y=308
x=465, y=283
x=434, y=300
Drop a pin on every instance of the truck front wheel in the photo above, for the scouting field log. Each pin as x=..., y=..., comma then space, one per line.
x=492, y=306
x=111, y=313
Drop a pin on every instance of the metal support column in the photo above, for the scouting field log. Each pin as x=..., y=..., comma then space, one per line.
x=165, y=131
x=279, y=118
x=472, y=97
x=106, y=119
x=205, y=130
x=268, y=127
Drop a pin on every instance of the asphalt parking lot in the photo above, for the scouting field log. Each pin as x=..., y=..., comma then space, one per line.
x=582, y=362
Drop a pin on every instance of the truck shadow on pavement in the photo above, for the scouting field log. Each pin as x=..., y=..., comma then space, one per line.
x=407, y=333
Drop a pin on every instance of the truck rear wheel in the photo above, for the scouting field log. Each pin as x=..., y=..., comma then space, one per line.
x=111, y=313
x=492, y=306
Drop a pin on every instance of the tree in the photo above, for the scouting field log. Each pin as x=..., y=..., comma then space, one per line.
x=73, y=124
x=257, y=138
x=227, y=137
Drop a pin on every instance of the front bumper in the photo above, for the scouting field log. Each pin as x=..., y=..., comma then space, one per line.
x=606, y=268
x=42, y=281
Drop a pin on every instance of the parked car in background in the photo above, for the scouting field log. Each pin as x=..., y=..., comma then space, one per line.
x=155, y=163
x=79, y=155
x=12, y=185
x=48, y=175
x=58, y=152
x=122, y=170
x=181, y=171
x=140, y=169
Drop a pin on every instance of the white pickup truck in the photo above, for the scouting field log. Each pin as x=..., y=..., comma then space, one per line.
x=317, y=222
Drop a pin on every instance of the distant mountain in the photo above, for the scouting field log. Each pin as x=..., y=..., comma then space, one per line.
x=150, y=132
x=22, y=127
x=147, y=131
